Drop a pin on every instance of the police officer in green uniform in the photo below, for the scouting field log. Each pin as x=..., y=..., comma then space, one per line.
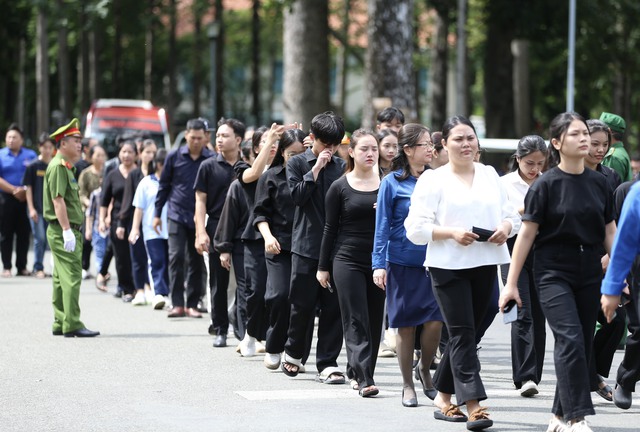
x=63, y=211
x=617, y=157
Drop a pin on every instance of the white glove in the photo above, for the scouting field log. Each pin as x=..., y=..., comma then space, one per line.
x=69, y=240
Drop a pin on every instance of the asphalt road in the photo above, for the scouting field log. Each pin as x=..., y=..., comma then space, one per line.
x=149, y=373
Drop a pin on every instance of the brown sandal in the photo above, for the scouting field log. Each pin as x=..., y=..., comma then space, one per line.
x=450, y=414
x=479, y=419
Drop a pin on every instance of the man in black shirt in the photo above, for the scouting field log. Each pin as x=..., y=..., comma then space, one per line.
x=309, y=176
x=176, y=190
x=34, y=180
x=211, y=186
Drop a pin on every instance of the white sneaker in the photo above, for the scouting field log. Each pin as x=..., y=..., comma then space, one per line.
x=158, y=302
x=139, y=299
x=272, y=361
x=260, y=348
x=248, y=346
x=581, y=426
x=556, y=425
x=528, y=389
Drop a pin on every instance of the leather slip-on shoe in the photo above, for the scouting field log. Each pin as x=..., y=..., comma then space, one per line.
x=220, y=341
x=621, y=397
x=193, y=313
x=56, y=332
x=83, y=332
x=176, y=312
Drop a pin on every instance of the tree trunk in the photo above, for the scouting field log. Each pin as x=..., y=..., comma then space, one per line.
x=389, y=62
x=83, y=61
x=172, y=61
x=22, y=78
x=440, y=65
x=255, y=64
x=462, y=106
x=42, y=71
x=341, y=60
x=116, y=85
x=64, y=80
x=498, y=67
x=148, y=51
x=219, y=8
x=521, y=95
x=198, y=52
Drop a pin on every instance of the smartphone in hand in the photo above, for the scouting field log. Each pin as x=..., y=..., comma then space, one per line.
x=510, y=312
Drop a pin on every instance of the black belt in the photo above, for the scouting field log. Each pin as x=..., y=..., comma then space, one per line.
x=73, y=226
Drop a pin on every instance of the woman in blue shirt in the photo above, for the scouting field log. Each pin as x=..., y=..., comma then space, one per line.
x=398, y=263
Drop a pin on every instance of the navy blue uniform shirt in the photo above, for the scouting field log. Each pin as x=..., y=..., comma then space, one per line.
x=176, y=186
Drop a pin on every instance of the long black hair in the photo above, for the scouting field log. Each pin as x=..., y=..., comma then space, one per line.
x=557, y=128
x=528, y=144
x=288, y=138
x=408, y=136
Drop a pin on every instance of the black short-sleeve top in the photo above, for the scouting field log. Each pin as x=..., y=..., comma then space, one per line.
x=569, y=208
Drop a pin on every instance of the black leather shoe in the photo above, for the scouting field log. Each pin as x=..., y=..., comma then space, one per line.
x=56, y=332
x=409, y=403
x=621, y=397
x=220, y=341
x=83, y=332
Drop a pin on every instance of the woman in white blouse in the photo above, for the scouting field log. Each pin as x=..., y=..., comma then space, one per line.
x=445, y=207
x=528, y=333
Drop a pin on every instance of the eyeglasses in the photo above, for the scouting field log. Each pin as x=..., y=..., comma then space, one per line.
x=428, y=144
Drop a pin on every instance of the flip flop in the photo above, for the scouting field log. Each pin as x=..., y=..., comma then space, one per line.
x=331, y=375
x=291, y=362
x=479, y=419
x=369, y=391
x=450, y=414
x=606, y=393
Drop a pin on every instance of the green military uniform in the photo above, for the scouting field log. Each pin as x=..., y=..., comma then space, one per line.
x=618, y=160
x=617, y=157
x=60, y=180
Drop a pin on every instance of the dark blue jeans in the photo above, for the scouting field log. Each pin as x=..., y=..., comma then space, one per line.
x=568, y=278
x=139, y=262
x=158, y=251
x=39, y=231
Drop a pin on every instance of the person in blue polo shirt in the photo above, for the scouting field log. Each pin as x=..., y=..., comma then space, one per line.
x=13, y=163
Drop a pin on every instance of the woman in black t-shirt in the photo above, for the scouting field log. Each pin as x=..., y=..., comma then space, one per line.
x=113, y=189
x=571, y=210
x=348, y=241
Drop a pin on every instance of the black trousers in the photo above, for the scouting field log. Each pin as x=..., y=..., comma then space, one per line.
x=304, y=295
x=464, y=297
x=528, y=333
x=568, y=278
x=255, y=270
x=106, y=260
x=362, y=310
x=87, y=248
x=139, y=262
x=123, y=260
x=277, y=300
x=605, y=344
x=182, y=251
x=240, y=310
x=218, y=286
x=629, y=369
x=14, y=225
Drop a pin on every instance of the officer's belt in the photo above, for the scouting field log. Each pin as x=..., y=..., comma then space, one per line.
x=74, y=226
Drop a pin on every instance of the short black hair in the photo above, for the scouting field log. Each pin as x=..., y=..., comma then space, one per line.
x=328, y=128
x=15, y=127
x=389, y=114
x=197, y=124
x=238, y=127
